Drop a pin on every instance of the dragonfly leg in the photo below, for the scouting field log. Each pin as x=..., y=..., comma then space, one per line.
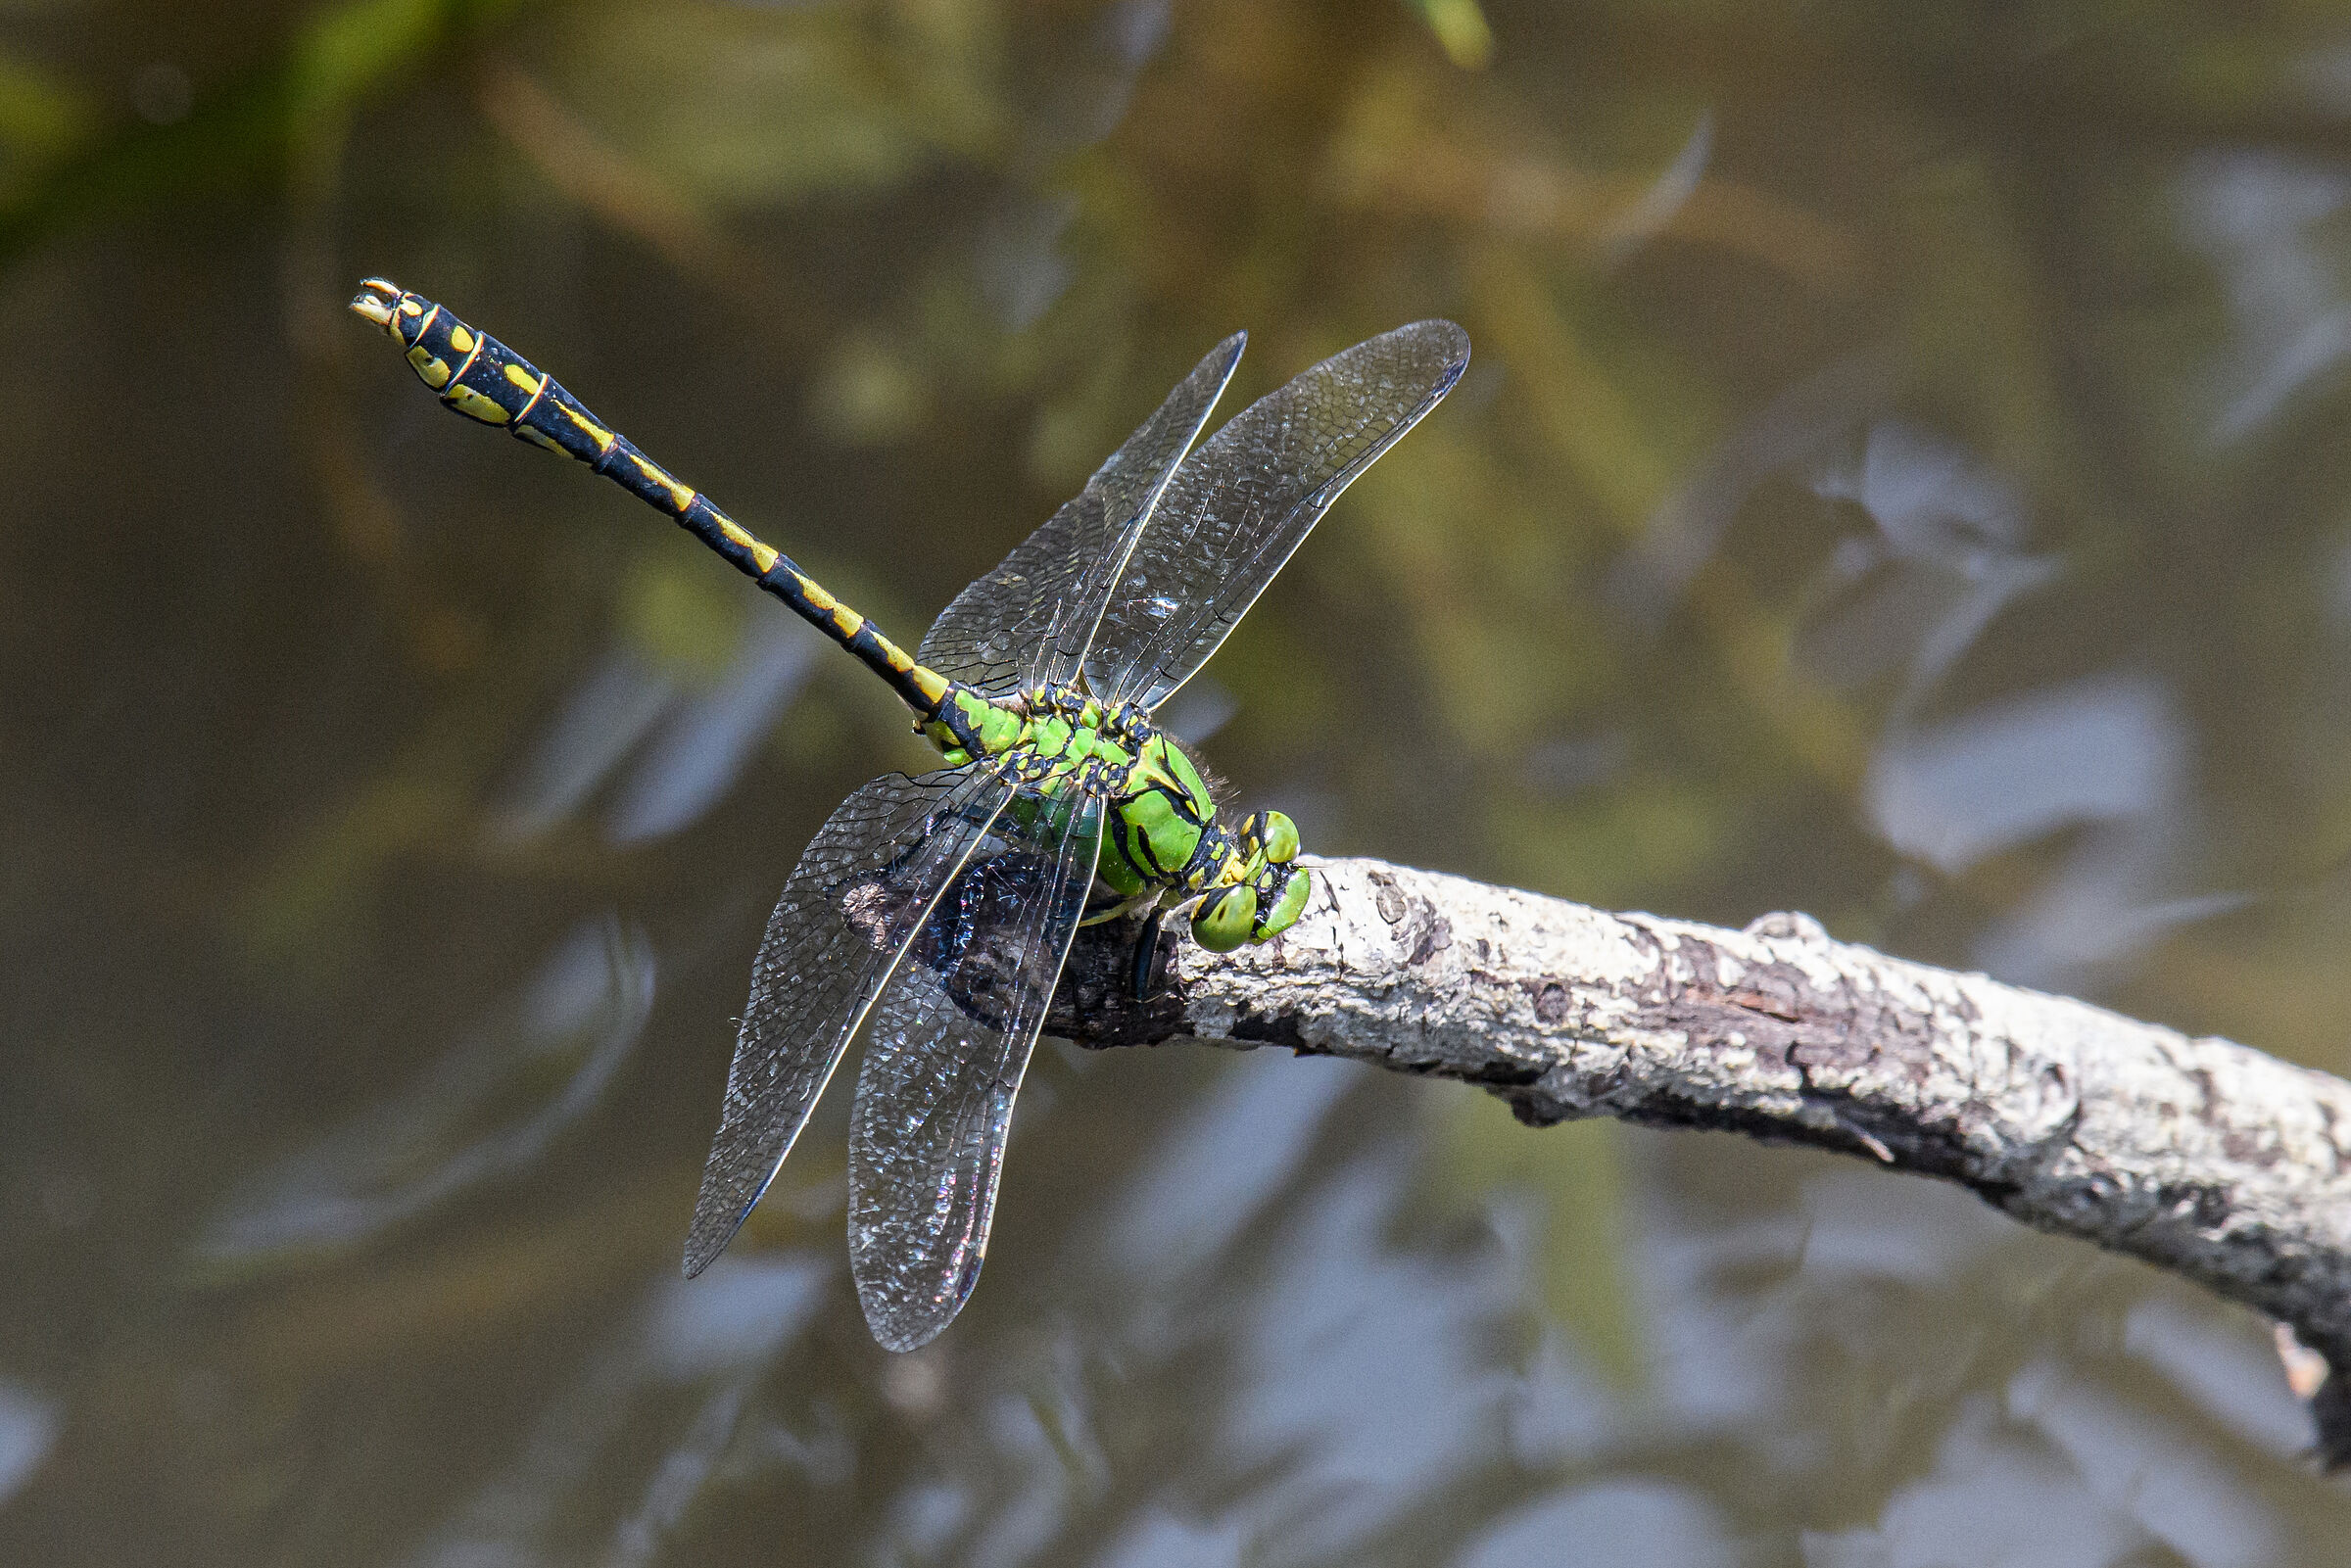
x=1125, y=907
x=1150, y=955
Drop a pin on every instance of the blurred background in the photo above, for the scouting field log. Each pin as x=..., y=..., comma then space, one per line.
x=1902, y=478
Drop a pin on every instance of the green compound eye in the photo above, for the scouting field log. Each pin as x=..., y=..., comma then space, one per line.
x=1224, y=919
x=1283, y=910
x=1272, y=832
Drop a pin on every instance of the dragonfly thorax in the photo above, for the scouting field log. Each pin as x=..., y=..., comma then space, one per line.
x=1162, y=841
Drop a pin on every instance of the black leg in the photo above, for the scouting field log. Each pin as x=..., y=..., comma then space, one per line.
x=1148, y=967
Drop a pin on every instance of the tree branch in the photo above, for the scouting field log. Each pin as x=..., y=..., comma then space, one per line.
x=2199, y=1156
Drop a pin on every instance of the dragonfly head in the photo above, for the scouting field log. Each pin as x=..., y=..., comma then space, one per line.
x=1270, y=841
x=1264, y=895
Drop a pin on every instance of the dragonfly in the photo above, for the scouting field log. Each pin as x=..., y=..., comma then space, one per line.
x=936, y=911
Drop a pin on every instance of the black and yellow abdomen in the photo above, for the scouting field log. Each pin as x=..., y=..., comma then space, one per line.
x=481, y=378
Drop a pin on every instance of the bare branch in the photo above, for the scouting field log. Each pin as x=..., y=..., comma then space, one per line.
x=2199, y=1156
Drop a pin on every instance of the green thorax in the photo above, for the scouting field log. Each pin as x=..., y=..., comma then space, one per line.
x=1162, y=841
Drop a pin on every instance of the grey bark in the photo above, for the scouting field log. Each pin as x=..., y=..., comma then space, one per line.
x=2200, y=1156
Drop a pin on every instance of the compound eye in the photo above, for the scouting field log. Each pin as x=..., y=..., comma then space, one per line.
x=1224, y=919
x=1284, y=908
x=1278, y=835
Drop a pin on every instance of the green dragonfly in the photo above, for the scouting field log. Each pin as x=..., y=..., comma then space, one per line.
x=943, y=906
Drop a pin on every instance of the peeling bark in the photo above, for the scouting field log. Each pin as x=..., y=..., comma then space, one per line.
x=2200, y=1156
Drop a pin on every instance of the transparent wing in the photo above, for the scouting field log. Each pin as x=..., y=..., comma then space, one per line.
x=1029, y=620
x=859, y=893
x=1246, y=498
x=944, y=1058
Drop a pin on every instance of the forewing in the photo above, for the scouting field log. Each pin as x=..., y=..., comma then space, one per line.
x=859, y=893
x=1028, y=621
x=1246, y=498
x=944, y=1058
